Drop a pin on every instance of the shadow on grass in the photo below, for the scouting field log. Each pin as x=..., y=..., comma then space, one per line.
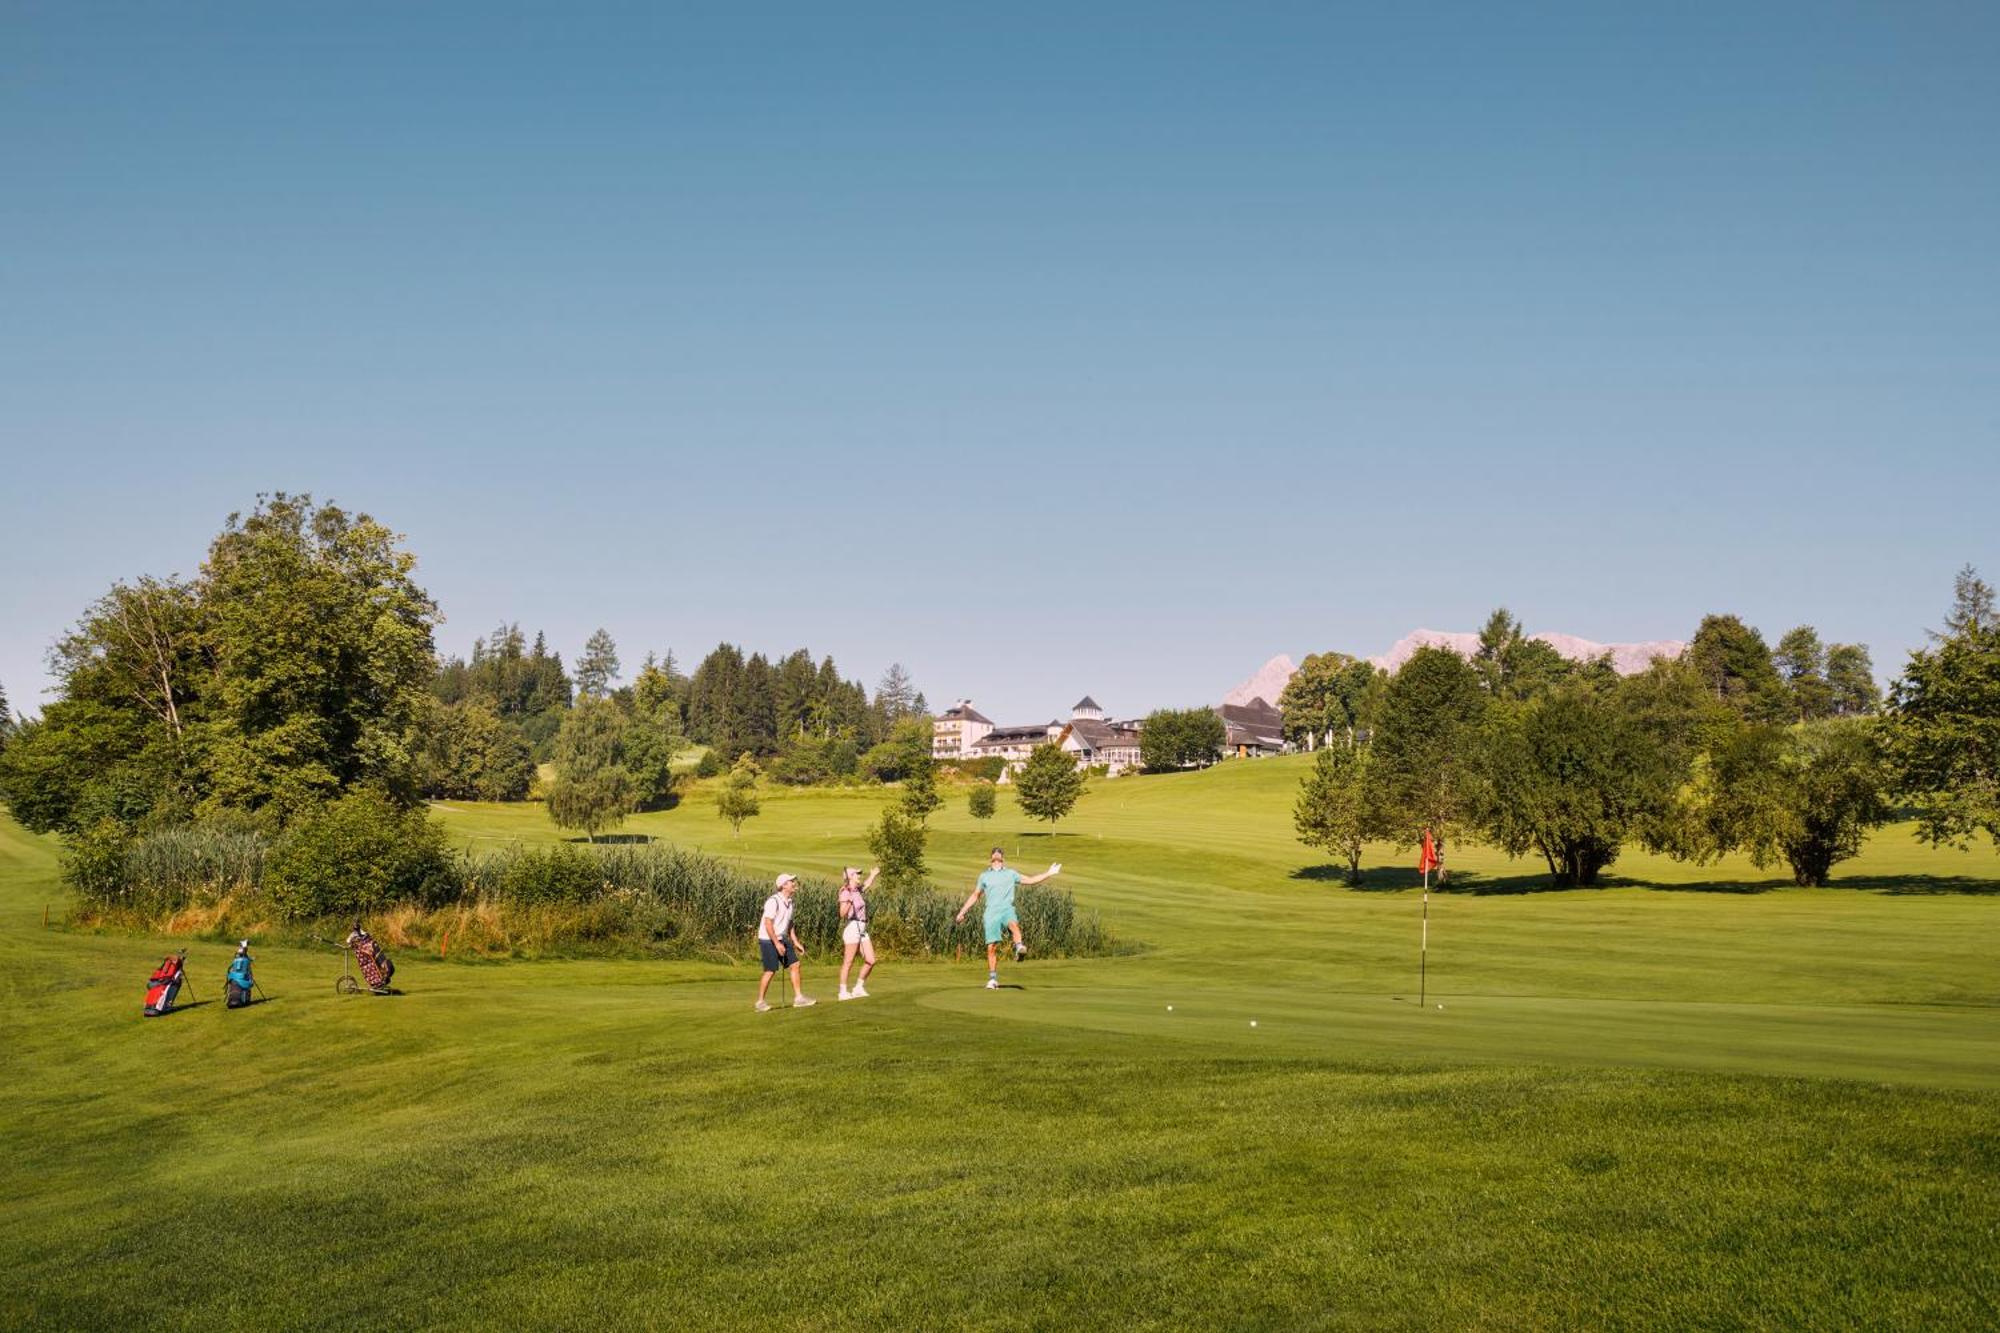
x=1471, y=882
x=1917, y=885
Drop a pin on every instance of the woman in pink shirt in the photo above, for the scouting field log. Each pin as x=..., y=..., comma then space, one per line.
x=854, y=930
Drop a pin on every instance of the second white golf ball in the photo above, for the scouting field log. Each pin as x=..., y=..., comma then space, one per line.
x=1253, y=1022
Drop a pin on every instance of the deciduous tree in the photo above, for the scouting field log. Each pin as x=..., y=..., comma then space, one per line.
x=593, y=790
x=1048, y=784
x=1332, y=808
x=1571, y=775
x=1806, y=794
x=1944, y=724
x=1427, y=766
x=737, y=800
x=322, y=657
x=1850, y=678
x=1735, y=664
x=897, y=844
x=1801, y=660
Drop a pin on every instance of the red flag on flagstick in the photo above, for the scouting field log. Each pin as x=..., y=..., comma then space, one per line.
x=1427, y=860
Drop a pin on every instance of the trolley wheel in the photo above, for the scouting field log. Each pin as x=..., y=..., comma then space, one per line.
x=347, y=986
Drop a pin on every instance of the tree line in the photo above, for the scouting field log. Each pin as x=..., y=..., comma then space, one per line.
x=299, y=664
x=1790, y=754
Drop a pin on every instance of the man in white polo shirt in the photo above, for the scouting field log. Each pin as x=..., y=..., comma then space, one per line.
x=779, y=944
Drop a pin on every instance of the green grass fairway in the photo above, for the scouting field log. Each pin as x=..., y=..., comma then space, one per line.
x=1696, y=1097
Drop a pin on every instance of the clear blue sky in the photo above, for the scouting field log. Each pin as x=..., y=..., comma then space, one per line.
x=1044, y=349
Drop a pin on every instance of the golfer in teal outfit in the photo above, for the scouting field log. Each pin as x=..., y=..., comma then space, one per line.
x=997, y=884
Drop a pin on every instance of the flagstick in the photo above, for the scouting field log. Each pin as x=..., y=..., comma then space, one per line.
x=1424, y=949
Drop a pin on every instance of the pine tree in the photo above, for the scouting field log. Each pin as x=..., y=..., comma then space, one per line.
x=1972, y=606
x=895, y=697
x=597, y=668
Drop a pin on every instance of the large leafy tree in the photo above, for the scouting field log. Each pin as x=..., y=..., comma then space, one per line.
x=1801, y=660
x=468, y=752
x=1428, y=761
x=1331, y=696
x=1174, y=738
x=1573, y=774
x=1048, y=784
x=1806, y=794
x=1332, y=811
x=321, y=644
x=593, y=790
x=1850, y=679
x=1735, y=663
x=122, y=742
x=1944, y=723
x=296, y=667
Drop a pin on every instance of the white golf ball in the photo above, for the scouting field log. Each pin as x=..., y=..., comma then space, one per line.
x=1440, y=1006
x=1253, y=1022
x=1170, y=1009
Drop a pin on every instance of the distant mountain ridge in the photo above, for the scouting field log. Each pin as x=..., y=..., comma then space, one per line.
x=1268, y=682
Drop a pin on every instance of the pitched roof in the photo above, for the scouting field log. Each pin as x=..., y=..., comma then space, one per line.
x=1086, y=702
x=1097, y=735
x=1255, y=723
x=1001, y=738
x=965, y=712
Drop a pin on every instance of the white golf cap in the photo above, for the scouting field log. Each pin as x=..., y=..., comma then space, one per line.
x=787, y=879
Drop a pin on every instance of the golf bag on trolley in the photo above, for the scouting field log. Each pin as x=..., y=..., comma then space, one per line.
x=376, y=969
x=164, y=986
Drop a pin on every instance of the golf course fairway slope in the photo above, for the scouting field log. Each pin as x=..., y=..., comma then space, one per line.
x=1694, y=1097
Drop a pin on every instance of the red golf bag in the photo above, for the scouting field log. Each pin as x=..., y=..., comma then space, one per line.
x=164, y=986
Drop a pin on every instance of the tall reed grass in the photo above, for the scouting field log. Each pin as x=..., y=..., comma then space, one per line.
x=526, y=901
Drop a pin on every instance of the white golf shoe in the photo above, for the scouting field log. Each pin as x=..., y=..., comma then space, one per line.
x=860, y=992
x=992, y=983
x=763, y=1007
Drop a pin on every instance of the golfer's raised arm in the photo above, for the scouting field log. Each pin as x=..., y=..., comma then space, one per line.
x=1053, y=870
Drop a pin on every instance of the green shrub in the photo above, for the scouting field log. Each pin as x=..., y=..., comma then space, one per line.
x=981, y=801
x=898, y=846
x=711, y=764
x=557, y=874
x=986, y=768
x=94, y=863
x=358, y=854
